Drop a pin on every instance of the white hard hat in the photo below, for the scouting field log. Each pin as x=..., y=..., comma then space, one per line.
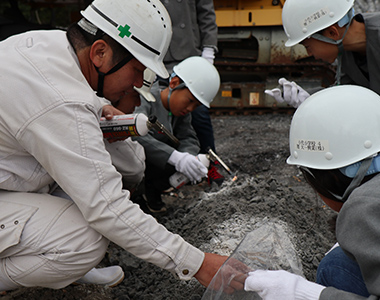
x=200, y=77
x=302, y=18
x=335, y=127
x=142, y=27
x=149, y=77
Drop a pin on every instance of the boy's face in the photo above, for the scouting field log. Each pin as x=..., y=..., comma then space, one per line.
x=182, y=102
x=321, y=50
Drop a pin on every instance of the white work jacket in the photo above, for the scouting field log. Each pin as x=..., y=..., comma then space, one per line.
x=49, y=132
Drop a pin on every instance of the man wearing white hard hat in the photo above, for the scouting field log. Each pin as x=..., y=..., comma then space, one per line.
x=337, y=150
x=330, y=31
x=61, y=198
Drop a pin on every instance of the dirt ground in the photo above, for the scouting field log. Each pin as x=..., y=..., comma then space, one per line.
x=216, y=219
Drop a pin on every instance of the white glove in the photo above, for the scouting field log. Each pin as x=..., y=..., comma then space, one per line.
x=275, y=285
x=209, y=54
x=292, y=93
x=189, y=165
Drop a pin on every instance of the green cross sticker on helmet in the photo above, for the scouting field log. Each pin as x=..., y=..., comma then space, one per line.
x=147, y=26
x=124, y=31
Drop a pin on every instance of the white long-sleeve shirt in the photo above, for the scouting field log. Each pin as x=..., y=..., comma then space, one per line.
x=49, y=132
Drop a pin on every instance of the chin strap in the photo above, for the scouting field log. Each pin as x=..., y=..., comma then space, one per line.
x=98, y=34
x=101, y=75
x=362, y=171
x=347, y=19
x=180, y=86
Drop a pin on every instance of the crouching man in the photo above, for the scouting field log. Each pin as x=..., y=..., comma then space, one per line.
x=52, y=94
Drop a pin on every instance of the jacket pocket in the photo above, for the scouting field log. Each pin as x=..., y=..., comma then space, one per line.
x=13, y=218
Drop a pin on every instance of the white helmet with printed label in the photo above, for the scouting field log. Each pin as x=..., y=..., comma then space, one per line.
x=200, y=77
x=335, y=127
x=302, y=18
x=143, y=27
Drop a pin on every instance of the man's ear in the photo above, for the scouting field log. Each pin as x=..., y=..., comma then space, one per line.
x=334, y=32
x=174, y=82
x=100, y=52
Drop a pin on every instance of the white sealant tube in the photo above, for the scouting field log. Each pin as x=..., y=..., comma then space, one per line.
x=124, y=126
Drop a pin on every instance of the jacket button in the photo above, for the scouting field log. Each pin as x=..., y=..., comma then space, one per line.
x=185, y=272
x=2, y=226
x=16, y=222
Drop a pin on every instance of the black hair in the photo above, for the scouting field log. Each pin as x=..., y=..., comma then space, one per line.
x=80, y=39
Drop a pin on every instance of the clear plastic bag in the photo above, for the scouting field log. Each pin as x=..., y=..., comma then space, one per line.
x=267, y=247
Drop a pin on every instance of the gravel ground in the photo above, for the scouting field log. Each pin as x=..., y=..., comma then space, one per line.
x=216, y=219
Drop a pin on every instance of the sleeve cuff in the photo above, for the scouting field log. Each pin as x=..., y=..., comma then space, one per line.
x=309, y=290
x=174, y=157
x=191, y=264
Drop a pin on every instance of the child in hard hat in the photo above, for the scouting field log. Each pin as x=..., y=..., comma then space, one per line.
x=195, y=81
x=195, y=33
x=330, y=31
x=337, y=149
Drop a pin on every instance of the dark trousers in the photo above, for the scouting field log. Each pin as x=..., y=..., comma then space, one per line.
x=157, y=180
x=201, y=122
x=336, y=269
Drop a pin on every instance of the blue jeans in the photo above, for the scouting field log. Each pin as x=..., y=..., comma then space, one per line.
x=338, y=270
x=201, y=121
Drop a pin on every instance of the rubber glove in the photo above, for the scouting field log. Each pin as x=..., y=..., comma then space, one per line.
x=188, y=165
x=275, y=285
x=209, y=54
x=291, y=93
